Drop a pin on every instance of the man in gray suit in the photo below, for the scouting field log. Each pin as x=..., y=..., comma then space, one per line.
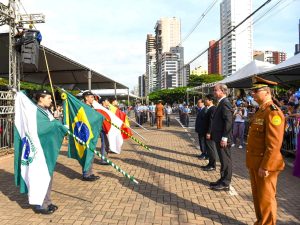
x=221, y=134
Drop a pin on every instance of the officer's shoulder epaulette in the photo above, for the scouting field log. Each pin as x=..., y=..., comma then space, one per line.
x=273, y=107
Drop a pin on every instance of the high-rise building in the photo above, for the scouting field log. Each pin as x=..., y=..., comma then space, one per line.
x=274, y=57
x=214, y=58
x=169, y=70
x=182, y=76
x=297, y=46
x=187, y=69
x=167, y=35
x=237, y=47
x=141, y=86
x=151, y=75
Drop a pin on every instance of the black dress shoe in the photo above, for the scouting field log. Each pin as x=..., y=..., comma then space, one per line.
x=209, y=168
x=53, y=207
x=104, y=163
x=220, y=187
x=91, y=178
x=96, y=177
x=211, y=184
x=44, y=211
x=202, y=156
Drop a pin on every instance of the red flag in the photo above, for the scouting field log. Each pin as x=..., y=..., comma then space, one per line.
x=114, y=136
x=126, y=125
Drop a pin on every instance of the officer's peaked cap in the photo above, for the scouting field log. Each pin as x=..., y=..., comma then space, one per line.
x=258, y=82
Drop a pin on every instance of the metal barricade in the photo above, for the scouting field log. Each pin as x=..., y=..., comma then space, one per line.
x=6, y=133
x=292, y=128
x=290, y=135
x=6, y=121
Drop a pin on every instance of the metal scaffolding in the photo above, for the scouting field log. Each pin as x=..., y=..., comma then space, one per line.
x=9, y=15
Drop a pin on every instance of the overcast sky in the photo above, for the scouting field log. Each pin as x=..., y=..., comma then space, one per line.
x=109, y=36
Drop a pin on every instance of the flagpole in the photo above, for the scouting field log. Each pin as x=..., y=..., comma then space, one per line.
x=137, y=133
x=122, y=131
x=50, y=80
x=138, y=124
x=130, y=136
x=131, y=178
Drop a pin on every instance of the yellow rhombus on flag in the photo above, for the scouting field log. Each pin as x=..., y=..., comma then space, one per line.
x=82, y=129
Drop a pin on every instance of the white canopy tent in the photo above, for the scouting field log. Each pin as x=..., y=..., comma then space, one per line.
x=285, y=73
x=120, y=93
x=242, y=77
x=65, y=72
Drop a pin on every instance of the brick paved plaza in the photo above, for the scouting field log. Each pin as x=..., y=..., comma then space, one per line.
x=172, y=188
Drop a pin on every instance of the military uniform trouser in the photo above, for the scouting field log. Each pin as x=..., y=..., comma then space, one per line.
x=90, y=171
x=159, y=121
x=264, y=197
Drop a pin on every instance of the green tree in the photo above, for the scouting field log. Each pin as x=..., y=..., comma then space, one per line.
x=195, y=80
x=169, y=95
x=33, y=86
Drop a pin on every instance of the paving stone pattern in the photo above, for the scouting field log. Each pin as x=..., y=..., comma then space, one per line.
x=172, y=188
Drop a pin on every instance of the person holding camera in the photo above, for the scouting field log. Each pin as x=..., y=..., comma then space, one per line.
x=239, y=115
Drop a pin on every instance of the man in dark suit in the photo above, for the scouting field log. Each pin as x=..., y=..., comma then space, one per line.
x=199, y=128
x=209, y=143
x=221, y=133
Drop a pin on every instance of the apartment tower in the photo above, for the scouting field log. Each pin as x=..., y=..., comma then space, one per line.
x=167, y=35
x=237, y=47
x=151, y=75
x=297, y=46
x=214, y=58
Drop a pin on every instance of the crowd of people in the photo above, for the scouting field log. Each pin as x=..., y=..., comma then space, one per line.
x=267, y=124
x=221, y=123
x=155, y=113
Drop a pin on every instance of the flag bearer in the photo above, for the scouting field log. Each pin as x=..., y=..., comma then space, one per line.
x=43, y=98
x=88, y=98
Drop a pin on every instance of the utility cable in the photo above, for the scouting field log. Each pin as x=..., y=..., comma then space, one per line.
x=258, y=19
x=266, y=13
x=225, y=35
x=199, y=21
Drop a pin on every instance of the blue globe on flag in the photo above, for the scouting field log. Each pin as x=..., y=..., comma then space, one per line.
x=26, y=148
x=82, y=131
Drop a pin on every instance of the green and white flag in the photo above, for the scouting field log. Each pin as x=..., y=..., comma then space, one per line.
x=37, y=141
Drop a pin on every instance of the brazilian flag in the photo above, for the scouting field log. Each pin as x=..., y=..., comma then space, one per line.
x=86, y=124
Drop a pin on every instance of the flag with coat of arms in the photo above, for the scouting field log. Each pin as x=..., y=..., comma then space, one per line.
x=86, y=124
x=113, y=133
x=37, y=140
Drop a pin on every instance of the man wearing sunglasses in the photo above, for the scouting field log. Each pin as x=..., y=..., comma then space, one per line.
x=263, y=158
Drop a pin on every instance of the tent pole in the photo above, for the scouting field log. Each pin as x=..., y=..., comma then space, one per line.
x=128, y=97
x=187, y=97
x=90, y=80
x=115, y=87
